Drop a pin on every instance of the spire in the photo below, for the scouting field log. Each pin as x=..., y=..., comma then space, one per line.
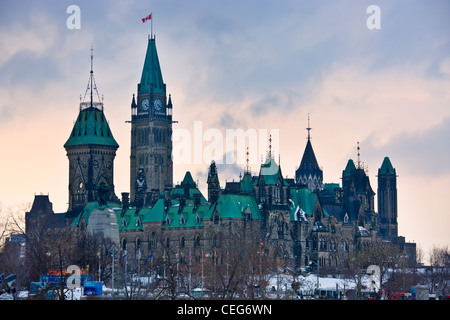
x=91, y=86
x=91, y=126
x=133, y=102
x=151, y=79
x=309, y=172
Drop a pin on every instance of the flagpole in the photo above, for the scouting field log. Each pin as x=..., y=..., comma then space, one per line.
x=151, y=25
x=112, y=271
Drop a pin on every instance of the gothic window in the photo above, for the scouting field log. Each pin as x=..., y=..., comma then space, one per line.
x=216, y=218
x=167, y=242
x=138, y=244
x=214, y=241
x=317, y=215
x=124, y=245
x=262, y=194
x=280, y=227
x=277, y=193
x=197, y=241
x=345, y=246
x=152, y=241
x=322, y=244
x=182, y=242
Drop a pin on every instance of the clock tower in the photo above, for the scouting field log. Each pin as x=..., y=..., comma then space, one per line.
x=151, y=128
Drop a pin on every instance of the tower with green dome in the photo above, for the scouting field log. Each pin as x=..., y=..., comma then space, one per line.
x=91, y=149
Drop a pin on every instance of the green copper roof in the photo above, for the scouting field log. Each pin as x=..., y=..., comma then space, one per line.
x=91, y=127
x=129, y=220
x=349, y=168
x=302, y=199
x=386, y=167
x=151, y=74
x=330, y=187
x=188, y=180
x=235, y=206
x=270, y=171
x=247, y=183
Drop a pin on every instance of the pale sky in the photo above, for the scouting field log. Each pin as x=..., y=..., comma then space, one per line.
x=254, y=65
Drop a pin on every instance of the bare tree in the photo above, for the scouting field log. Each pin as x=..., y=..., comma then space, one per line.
x=438, y=275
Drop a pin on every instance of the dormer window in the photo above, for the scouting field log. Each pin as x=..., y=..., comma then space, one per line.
x=138, y=222
x=167, y=220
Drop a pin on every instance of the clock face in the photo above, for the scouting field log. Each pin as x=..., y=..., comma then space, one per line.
x=158, y=105
x=145, y=104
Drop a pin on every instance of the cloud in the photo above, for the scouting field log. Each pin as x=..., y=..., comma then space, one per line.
x=34, y=38
x=420, y=153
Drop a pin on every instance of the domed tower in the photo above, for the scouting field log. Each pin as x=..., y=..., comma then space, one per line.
x=91, y=149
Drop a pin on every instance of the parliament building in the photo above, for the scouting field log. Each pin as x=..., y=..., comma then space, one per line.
x=300, y=221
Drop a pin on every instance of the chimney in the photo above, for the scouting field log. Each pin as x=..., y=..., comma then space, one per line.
x=197, y=198
x=182, y=203
x=167, y=199
x=155, y=196
x=125, y=201
x=148, y=199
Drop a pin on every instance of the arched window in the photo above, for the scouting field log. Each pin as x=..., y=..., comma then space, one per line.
x=138, y=243
x=216, y=218
x=197, y=241
x=262, y=193
x=124, y=245
x=277, y=193
x=152, y=241
x=167, y=242
x=280, y=227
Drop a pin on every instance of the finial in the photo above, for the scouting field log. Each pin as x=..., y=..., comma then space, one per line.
x=270, y=147
x=309, y=128
x=359, y=160
x=92, y=73
x=246, y=169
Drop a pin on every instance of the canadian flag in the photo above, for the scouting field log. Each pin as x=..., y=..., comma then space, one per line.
x=147, y=18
